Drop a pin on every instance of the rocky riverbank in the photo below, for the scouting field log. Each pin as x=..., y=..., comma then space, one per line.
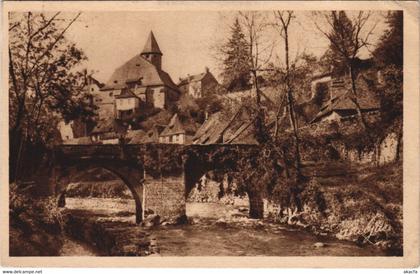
x=367, y=211
x=110, y=235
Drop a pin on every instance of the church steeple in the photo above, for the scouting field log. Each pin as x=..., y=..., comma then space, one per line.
x=151, y=51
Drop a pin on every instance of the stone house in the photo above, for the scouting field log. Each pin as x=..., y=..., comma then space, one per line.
x=126, y=105
x=144, y=77
x=178, y=132
x=198, y=86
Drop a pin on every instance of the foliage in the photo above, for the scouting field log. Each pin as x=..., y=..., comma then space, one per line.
x=391, y=95
x=236, y=63
x=45, y=83
x=35, y=223
x=211, y=104
x=346, y=36
x=389, y=50
x=388, y=56
x=23, y=204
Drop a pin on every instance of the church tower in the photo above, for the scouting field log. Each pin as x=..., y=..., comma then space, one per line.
x=151, y=52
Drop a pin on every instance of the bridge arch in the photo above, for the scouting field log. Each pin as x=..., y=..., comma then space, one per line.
x=220, y=158
x=131, y=174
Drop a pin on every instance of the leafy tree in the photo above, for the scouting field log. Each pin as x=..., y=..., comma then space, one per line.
x=45, y=85
x=236, y=62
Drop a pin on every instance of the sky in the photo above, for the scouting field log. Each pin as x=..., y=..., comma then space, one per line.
x=187, y=39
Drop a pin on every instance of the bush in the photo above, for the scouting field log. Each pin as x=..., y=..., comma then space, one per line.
x=35, y=223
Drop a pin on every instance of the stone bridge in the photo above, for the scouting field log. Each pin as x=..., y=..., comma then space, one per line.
x=159, y=176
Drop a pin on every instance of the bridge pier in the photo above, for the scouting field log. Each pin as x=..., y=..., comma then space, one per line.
x=165, y=196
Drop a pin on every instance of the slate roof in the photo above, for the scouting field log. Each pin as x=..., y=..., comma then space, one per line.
x=136, y=68
x=191, y=78
x=126, y=93
x=135, y=136
x=221, y=127
x=366, y=100
x=210, y=132
x=151, y=45
x=175, y=126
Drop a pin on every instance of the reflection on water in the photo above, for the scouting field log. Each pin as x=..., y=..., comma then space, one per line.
x=211, y=236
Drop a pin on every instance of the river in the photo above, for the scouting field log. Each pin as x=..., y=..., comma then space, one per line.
x=211, y=236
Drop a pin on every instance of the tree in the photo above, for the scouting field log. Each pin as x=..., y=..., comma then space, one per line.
x=389, y=50
x=283, y=21
x=236, y=63
x=347, y=38
x=388, y=56
x=45, y=85
x=260, y=51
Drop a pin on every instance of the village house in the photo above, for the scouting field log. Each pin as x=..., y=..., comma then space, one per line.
x=336, y=102
x=342, y=107
x=143, y=76
x=126, y=105
x=178, y=132
x=198, y=86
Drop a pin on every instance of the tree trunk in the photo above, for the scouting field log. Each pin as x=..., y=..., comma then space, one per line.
x=354, y=98
x=256, y=205
x=290, y=100
x=260, y=134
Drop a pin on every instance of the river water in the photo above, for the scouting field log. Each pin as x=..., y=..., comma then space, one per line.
x=212, y=236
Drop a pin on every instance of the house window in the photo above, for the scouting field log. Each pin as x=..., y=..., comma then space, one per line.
x=170, y=139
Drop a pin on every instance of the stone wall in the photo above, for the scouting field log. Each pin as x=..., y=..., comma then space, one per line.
x=386, y=152
x=165, y=197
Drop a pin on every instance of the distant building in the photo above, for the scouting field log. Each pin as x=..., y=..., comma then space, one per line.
x=177, y=132
x=198, y=86
x=144, y=77
x=66, y=130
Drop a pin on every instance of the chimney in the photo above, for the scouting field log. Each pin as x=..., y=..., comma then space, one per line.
x=207, y=69
x=206, y=117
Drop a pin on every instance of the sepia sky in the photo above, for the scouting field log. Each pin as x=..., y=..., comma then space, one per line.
x=187, y=39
